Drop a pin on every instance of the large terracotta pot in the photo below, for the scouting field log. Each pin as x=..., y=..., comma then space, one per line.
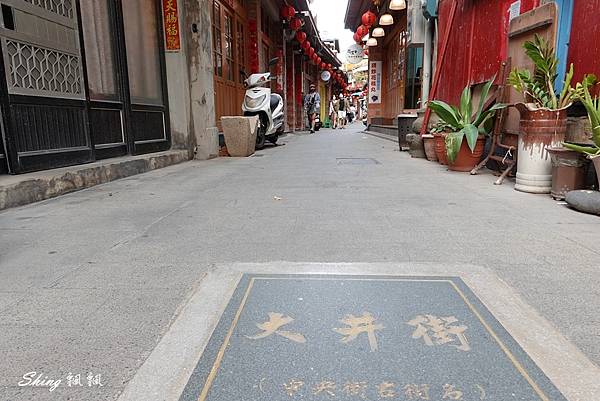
x=465, y=159
x=439, y=141
x=429, y=145
x=568, y=171
x=539, y=130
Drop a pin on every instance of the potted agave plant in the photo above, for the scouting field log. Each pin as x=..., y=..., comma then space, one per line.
x=592, y=105
x=543, y=116
x=466, y=140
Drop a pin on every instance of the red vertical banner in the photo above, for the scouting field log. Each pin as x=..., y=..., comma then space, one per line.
x=171, y=25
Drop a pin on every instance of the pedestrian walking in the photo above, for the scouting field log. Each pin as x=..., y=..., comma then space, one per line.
x=352, y=114
x=342, y=113
x=312, y=104
x=347, y=107
x=333, y=111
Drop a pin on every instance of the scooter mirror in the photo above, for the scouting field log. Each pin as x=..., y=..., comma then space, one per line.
x=274, y=61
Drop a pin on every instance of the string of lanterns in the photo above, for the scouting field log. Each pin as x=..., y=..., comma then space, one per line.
x=368, y=20
x=288, y=14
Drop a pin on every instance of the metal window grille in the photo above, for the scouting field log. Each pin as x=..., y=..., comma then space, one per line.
x=64, y=8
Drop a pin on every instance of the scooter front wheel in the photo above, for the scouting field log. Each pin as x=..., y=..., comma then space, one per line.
x=260, y=137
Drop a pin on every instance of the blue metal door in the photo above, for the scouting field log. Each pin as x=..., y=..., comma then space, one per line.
x=563, y=35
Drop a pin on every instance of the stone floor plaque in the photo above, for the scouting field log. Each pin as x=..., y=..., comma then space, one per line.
x=310, y=337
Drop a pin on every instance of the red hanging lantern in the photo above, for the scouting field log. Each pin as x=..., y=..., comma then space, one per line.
x=287, y=12
x=323, y=66
x=305, y=45
x=357, y=38
x=311, y=51
x=368, y=19
x=318, y=61
x=362, y=31
x=329, y=66
x=300, y=37
x=296, y=24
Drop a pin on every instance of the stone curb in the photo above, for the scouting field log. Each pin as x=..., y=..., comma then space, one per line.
x=380, y=135
x=35, y=187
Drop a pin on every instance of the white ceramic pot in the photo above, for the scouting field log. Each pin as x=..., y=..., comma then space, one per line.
x=540, y=129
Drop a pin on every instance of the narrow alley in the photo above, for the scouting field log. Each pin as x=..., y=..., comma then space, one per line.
x=93, y=280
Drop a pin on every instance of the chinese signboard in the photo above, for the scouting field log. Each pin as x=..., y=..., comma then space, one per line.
x=171, y=25
x=328, y=338
x=355, y=54
x=375, y=82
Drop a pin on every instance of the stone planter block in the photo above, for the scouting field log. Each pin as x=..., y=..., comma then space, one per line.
x=416, y=146
x=240, y=135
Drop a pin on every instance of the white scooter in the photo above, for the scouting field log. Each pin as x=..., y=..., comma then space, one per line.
x=259, y=101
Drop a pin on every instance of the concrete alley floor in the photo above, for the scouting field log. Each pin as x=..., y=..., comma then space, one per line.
x=89, y=282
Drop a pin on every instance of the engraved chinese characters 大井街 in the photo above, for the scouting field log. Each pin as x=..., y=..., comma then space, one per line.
x=451, y=393
x=358, y=389
x=440, y=331
x=386, y=390
x=416, y=391
x=325, y=388
x=273, y=325
x=293, y=386
x=358, y=325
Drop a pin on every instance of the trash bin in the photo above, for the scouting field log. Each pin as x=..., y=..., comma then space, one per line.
x=405, y=123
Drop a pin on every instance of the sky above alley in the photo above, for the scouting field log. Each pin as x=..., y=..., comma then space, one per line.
x=330, y=21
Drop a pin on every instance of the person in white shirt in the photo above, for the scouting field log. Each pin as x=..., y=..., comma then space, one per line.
x=333, y=111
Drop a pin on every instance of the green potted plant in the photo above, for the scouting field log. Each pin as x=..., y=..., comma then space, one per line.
x=465, y=140
x=592, y=105
x=543, y=115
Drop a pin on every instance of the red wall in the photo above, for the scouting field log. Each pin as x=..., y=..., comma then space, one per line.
x=478, y=43
x=528, y=5
x=584, y=47
x=454, y=67
x=490, y=40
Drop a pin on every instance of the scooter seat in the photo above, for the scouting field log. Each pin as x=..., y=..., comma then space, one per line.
x=274, y=101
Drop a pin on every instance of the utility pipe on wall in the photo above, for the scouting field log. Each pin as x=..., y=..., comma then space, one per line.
x=427, y=57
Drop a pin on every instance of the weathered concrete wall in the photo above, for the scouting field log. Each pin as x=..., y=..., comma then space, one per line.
x=190, y=83
x=179, y=100
x=198, y=40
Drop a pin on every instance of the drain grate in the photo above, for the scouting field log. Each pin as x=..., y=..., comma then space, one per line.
x=356, y=161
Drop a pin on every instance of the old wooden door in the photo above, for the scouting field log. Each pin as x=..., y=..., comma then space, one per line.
x=43, y=92
x=229, y=58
